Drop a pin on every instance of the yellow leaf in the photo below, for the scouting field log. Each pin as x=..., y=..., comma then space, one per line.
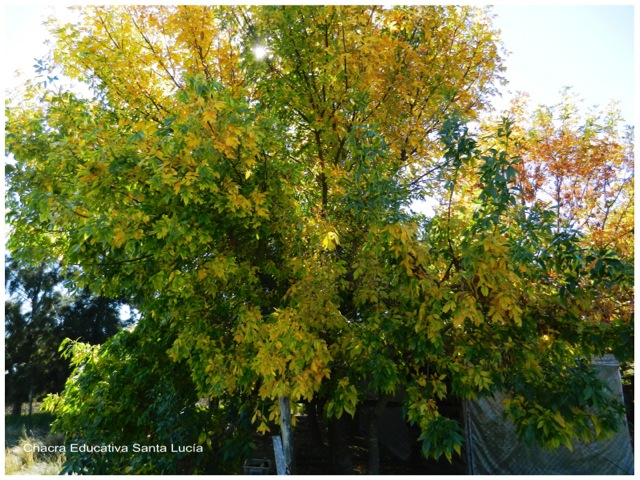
x=330, y=241
x=118, y=238
x=263, y=428
x=558, y=418
x=192, y=141
x=209, y=116
x=231, y=142
x=408, y=265
x=450, y=305
x=568, y=443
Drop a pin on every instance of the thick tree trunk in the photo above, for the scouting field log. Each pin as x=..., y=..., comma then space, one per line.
x=373, y=467
x=340, y=458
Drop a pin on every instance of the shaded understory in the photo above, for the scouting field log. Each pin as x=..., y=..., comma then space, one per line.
x=312, y=452
x=313, y=455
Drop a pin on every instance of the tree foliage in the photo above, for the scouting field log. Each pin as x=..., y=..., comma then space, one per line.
x=39, y=314
x=158, y=416
x=259, y=209
x=582, y=165
x=513, y=267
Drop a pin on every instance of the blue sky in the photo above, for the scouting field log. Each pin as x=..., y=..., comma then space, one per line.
x=587, y=47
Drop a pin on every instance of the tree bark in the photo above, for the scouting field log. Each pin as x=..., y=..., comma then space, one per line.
x=287, y=437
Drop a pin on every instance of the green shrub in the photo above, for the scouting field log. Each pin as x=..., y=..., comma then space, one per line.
x=129, y=397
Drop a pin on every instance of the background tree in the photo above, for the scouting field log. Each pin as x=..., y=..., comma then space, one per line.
x=581, y=165
x=259, y=208
x=39, y=315
x=516, y=263
x=25, y=334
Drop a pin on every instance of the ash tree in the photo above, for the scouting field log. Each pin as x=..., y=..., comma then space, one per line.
x=246, y=175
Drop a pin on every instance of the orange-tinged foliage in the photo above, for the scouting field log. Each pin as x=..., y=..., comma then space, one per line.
x=582, y=165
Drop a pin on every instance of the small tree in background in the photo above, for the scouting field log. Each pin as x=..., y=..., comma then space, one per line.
x=39, y=315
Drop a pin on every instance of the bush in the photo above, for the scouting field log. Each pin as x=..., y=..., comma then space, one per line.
x=129, y=397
